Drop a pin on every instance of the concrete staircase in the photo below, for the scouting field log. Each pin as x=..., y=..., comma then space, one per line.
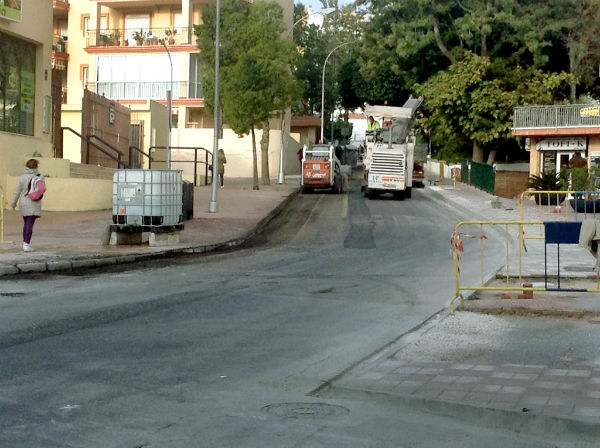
x=83, y=171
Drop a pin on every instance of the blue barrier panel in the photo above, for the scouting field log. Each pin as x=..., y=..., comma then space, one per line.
x=558, y=232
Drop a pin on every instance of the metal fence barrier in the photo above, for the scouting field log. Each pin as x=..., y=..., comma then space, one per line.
x=516, y=231
x=480, y=175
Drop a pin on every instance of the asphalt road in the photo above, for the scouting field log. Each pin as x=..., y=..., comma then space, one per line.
x=224, y=351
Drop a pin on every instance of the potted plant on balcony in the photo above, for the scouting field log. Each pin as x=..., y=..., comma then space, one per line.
x=548, y=182
x=170, y=33
x=115, y=37
x=139, y=37
x=103, y=40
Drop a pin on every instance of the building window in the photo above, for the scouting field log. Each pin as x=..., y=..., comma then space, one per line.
x=195, y=87
x=85, y=24
x=84, y=74
x=137, y=76
x=198, y=117
x=17, y=85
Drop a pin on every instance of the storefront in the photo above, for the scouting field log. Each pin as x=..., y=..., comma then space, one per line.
x=25, y=90
x=555, y=152
x=554, y=133
x=17, y=85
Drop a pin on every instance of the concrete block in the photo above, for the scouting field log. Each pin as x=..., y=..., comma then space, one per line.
x=118, y=238
x=33, y=267
x=8, y=270
x=59, y=265
x=526, y=294
x=163, y=239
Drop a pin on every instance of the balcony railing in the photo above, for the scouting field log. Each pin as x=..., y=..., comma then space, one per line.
x=146, y=90
x=140, y=37
x=567, y=116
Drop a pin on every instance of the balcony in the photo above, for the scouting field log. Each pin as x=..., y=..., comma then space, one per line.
x=553, y=117
x=60, y=8
x=140, y=37
x=60, y=55
x=146, y=90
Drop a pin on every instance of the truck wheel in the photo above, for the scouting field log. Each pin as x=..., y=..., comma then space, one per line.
x=306, y=190
x=337, y=184
x=399, y=195
x=370, y=194
x=408, y=193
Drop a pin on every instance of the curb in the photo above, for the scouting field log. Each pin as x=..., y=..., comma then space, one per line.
x=91, y=262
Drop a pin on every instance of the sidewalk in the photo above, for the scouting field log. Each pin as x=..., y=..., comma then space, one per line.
x=74, y=240
x=496, y=365
x=577, y=265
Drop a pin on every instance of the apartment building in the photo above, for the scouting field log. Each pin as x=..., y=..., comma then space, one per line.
x=132, y=52
x=25, y=89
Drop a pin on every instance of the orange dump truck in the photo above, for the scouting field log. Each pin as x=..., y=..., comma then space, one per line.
x=321, y=169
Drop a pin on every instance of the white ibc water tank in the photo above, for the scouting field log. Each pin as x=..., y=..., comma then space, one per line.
x=147, y=197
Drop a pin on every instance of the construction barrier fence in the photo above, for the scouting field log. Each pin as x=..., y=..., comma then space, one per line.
x=561, y=227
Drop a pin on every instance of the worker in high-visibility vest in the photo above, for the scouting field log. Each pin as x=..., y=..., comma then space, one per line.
x=372, y=124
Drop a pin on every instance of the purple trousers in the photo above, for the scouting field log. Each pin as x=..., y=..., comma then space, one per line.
x=28, y=222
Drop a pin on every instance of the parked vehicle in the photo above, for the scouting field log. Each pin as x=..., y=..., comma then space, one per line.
x=322, y=169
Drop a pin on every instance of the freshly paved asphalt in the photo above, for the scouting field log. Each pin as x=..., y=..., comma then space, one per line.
x=540, y=395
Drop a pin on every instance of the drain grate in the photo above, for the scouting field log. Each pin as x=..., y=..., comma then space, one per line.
x=12, y=294
x=305, y=410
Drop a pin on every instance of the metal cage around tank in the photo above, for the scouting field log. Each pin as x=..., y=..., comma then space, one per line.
x=151, y=198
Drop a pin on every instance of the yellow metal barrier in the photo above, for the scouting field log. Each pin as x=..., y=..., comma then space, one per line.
x=458, y=247
x=550, y=204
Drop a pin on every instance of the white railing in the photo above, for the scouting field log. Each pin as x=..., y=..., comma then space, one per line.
x=146, y=90
x=563, y=116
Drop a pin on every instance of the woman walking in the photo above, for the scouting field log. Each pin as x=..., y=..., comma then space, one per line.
x=222, y=162
x=30, y=209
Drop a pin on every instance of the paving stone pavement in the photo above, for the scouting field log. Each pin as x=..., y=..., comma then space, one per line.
x=573, y=392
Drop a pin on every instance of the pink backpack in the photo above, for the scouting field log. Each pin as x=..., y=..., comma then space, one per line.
x=37, y=188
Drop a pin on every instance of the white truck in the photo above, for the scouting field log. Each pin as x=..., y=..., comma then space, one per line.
x=389, y=154
x=322, y=169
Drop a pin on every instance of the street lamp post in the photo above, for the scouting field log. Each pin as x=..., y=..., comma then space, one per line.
x=213, y=206
x=323, y=90
x=169, y=106
x=281, y=176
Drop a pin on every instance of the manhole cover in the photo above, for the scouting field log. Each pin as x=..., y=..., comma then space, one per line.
x=305, y=410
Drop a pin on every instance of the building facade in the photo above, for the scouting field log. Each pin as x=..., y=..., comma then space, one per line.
x=25, y=85
x=132, y=52
x=554, y=133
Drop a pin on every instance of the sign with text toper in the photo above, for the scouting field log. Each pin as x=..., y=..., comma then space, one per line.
x=11, y=10
x=562, y=144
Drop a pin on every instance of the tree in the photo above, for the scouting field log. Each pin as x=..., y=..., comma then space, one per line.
x=467, y=57
x=471, y=101
x=256, y=80
x=571, y=27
